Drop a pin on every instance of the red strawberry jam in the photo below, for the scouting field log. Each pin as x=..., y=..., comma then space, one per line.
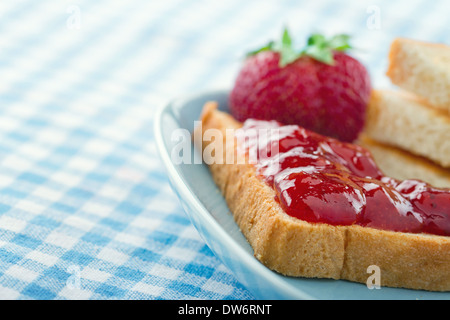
x=321, y=179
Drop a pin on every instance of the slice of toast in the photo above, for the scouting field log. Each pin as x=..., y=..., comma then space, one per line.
x=401, y=119
x=294, y=247
x=422, y=68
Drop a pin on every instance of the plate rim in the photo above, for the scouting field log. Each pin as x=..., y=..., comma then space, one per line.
x=181, y=188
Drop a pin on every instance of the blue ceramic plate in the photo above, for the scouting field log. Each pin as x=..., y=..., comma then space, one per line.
x=209, y=213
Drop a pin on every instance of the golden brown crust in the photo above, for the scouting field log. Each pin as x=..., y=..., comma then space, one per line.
x=298, y=248
x=414, y=261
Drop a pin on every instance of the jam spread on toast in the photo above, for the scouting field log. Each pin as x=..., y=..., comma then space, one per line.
x=321, y=179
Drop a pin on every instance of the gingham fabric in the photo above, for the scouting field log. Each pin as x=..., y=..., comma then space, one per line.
x=86, y=211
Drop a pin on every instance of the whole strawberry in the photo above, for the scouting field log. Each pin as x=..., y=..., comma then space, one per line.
x=320, y=88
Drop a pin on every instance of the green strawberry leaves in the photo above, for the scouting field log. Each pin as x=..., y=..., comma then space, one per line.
x=318, y=47
x=268, y=47
x=286, y=49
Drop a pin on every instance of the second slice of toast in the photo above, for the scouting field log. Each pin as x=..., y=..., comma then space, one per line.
x=401, y=119
x=403, y=165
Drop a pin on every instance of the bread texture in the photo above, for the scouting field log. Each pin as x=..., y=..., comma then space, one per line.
x=401, y=119
x=402, y=165
x=422, y=68
x=297, y=248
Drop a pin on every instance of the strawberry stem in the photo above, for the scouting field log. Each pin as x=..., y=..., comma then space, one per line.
x=318, y=47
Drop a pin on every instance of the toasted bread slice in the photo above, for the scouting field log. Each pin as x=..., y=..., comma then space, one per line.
x=401, y=119
x=403, y=165
x=297, y=248
x=422, y=68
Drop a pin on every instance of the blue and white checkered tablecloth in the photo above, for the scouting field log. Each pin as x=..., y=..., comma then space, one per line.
x=86, y=211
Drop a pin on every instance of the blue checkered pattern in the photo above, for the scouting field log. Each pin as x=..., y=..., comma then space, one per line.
x=86, y=211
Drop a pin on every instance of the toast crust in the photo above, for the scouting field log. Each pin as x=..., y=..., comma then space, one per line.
x=297, y=248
